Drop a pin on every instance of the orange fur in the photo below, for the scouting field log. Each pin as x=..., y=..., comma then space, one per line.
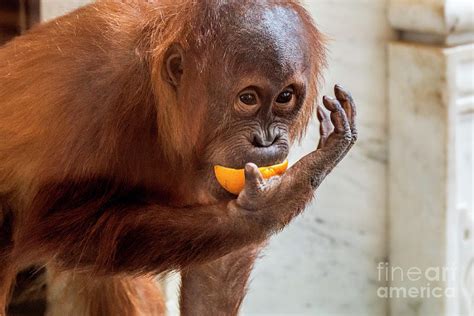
x=85, y=294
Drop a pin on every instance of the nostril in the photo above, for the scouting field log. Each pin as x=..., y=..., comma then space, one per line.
x=259, y=141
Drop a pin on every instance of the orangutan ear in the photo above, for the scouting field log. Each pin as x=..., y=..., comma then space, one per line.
x=173, y=65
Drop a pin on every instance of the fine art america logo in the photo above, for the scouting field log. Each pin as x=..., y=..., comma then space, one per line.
x=416, y=282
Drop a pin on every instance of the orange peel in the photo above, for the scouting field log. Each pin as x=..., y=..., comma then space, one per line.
x=233, y=180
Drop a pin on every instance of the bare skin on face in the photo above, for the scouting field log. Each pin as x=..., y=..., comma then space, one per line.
x=111, y=121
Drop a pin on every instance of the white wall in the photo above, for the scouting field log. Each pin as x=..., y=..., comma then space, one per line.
x=52, y=8
x=431, y=156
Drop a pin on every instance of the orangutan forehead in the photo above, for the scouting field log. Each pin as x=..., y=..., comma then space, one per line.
x=268, y=40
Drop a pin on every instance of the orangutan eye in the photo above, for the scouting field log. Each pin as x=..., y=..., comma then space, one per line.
x=285, y=97
x=248, y=98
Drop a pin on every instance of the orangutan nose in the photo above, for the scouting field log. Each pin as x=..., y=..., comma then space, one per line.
x=262, y=141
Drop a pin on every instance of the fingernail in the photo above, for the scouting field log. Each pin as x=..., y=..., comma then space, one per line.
x=248, y=168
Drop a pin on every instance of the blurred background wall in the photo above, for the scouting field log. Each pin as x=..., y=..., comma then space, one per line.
x=403, y=196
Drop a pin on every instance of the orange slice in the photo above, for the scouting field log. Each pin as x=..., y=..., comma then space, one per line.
x=233, y=180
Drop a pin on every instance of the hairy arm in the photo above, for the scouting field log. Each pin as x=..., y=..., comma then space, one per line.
x=126, y=233
x=218, y=287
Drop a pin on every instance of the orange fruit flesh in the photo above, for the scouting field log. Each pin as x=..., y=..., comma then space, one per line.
x=233, y=180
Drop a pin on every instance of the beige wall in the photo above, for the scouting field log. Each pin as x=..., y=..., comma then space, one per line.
x=53, y=8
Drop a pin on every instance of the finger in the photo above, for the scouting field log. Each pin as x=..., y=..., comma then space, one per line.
x=349, y=107
x=344, y=99
x=253, y=177
x=248, y=198
x=338, y=116
x=325, y=126
x=337, y=146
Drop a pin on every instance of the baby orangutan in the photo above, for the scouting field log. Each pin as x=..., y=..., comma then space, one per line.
x=112, y=119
